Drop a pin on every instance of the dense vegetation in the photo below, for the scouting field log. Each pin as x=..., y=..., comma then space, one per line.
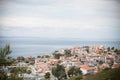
x=73, y=73
x=6, y=61
x=59, y=72
x=106, y=74
x=47, y=75
x=4, y=52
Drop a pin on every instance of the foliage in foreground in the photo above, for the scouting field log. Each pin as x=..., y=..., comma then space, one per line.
x=47, y=75
x=74, y=71
x=4, y=52
x=59, y=72
x=78, y=77
x=107, y=74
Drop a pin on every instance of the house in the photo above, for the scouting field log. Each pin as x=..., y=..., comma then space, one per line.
x=86, y=69
x=21, y=64
x=53, y=61
x=117, y=58
x=76, y=50
x=104, y=66
x=116, y=65
x=42, y=67
x=93, y=56
x=77, y=63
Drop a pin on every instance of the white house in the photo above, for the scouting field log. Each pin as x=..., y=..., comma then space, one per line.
x=86, y=69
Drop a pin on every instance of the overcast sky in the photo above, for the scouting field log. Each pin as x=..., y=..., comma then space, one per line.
x=83, y=19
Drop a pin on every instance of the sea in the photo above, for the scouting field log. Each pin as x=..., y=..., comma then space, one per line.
x=36, y=46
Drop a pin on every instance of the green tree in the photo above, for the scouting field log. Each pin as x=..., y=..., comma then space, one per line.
x=112, y=48
x=108, y=49
x=118, y=52
x=28, y=71
x=47, y=75
x=20, y=58
x=74, y=71
x=5, y=51
x=100, y=62
x=87, y=50
x=78, y=77
x=3, y=76
x=18, y=71
x=67, y=53
x=57, y=56
x=3, y=54
x=107, y=74
x=38, y=56
x=59, y=72
x=14, y=72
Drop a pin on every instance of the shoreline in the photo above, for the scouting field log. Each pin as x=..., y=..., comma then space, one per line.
x=50, y=52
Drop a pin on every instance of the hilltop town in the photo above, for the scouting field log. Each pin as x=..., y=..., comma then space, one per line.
x=88, y=59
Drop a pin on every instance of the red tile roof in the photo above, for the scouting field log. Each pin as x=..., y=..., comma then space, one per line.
x=86, y=67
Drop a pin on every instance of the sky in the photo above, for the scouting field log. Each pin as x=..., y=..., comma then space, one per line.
x=82, y=19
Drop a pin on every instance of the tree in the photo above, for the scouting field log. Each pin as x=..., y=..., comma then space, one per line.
x=59, y=72
x=67, y=53
x=87, y=50
x=20, y=58
x=112, y=48
x=38, y=56
x=57, y=56
x=5, y=51
x=71, y=71
x=78, y=77
x=47, y=75
x=28, y=71
x=108, y=49
x=118, y=52
x=74, y=71
x=14, y=72
x=18, y=71
x=107, y=74
x=3, y=76
x=100, y=62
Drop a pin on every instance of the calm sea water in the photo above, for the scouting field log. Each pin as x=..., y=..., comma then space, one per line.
x=34, y=46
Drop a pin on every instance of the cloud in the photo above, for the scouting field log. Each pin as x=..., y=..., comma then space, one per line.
x=70, y=9
x=25, y=21
x=60, y=17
